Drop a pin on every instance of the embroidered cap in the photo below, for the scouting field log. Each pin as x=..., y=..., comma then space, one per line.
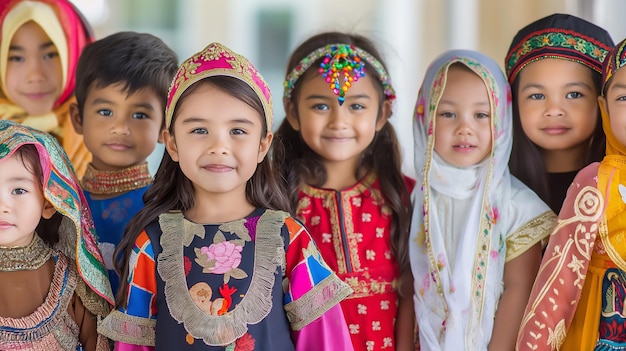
x=217, y=60
x=558, y=36
x=615, y=60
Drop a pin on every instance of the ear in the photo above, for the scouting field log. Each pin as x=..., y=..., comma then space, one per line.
x=48, y=210
x=384, y=116
x=292, y=118
x=161, y=139
x=170, y=144
x=264, y=147
x=77, y=121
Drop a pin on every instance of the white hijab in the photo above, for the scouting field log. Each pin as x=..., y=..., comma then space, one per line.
x=455, y=304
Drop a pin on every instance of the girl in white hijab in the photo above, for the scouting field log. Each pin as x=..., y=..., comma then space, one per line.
x=476, y=231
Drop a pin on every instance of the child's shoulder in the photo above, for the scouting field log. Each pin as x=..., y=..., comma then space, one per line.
x=587, y=174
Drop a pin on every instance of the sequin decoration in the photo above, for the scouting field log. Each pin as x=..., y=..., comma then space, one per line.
x=342, y=65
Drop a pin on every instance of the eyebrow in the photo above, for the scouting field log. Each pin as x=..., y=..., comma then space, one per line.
x=144, y=105
x=200, y=119
x=618, y=86
x=451, y=102
x=20, y=179
x=568, y=85
x=41, y=47
x=324, y=97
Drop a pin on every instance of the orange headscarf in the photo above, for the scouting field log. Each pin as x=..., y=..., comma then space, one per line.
x=69, y=32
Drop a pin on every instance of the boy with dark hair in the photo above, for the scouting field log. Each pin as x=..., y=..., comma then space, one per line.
x=121, y=91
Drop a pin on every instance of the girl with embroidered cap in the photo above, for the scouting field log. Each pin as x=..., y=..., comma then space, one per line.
x=211, y=262
x=343, y=168
x=54, y=285
x=577, y=302
x=40, y=43
x=476, y=232
x=554, y=67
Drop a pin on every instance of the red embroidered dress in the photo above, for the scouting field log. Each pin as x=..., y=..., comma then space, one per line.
x=351, y=229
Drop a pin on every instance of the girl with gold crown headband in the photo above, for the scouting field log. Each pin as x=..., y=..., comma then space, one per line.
x=211, y=261
x=40, y=43
x=343, y=168
x=54, y=285
x=476, y=232
x=554, y=67
x=577, y=302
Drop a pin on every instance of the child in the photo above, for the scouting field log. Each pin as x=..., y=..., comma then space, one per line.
x=54, y=285
x=40, y=43
x=211, y=263
x=476, y=231
x=121, y=92
x=343, y=167
x=554, y=66
x=577, y=302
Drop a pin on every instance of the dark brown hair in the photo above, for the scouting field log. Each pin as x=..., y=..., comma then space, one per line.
x=134, y=60
x=300, y=165
x=47, y=229
x=526, y=162
x=172, y=190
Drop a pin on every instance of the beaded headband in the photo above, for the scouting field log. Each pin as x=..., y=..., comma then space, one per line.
x=217, y=60
x=615, y=60
x=558, y=36
x=342, y=65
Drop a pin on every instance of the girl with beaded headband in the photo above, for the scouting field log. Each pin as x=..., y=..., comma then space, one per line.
x=343, y=170
x=476, y=230
x=211, y=261
x=554, y=67
x=577, y=302
x=54, y=285
x=40, y=43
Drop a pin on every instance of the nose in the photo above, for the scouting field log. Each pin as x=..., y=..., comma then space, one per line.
x=36, y=71
x=218, y=145
x=337, y=118
x=4, y=205
x=464, y=126
x=554, y=108
x=120, y=126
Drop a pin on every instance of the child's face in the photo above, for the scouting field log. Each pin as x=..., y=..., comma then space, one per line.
x=338, y=134
x=615, y=104
x=463, y=120
x=119, y=129
x=557, y=104
x=217, y=141
x=22, y=204
x=34, y=78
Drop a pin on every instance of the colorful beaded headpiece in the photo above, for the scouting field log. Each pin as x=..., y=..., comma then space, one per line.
x=558, y=36
x=342, y=65
x=615, y=60
x=217, y=60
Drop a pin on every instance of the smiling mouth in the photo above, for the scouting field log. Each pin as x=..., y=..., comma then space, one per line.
x=118, y=147
x=37, y=96
x=218, y=168
x=555, y=130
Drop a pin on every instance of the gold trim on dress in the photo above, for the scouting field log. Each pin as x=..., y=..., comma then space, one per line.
x=129, y=329
x=534, y=231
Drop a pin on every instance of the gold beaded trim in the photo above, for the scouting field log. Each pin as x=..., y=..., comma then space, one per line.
x=116, y=182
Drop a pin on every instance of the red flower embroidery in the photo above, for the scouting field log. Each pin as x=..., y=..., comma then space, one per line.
x=187, y=266
x=245, y=343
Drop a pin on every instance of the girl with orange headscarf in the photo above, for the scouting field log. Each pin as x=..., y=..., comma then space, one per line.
x=40, y=43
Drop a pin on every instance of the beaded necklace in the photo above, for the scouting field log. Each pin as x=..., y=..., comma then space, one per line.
x=116, y=182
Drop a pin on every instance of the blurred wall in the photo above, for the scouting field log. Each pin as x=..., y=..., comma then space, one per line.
x=410, y=33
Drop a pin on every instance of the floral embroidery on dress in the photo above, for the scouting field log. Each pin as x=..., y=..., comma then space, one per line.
x=224, y=256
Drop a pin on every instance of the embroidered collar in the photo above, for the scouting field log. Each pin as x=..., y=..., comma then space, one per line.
x=255, y=305
x=22, y=258
x=116, y=182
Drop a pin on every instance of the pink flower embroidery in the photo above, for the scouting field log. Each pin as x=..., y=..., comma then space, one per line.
x=494, y=254
x=226, y=255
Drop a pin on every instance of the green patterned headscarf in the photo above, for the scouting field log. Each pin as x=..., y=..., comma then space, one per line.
x=77, y=237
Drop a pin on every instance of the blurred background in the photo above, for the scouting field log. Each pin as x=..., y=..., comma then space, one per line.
x=409, y=33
